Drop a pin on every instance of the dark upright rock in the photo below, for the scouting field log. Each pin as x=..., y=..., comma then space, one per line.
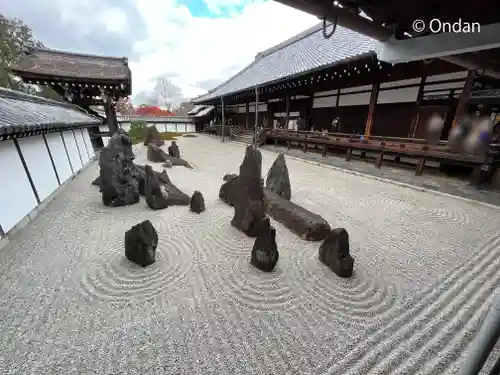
x=156, y=192
x=229, y=176
x=141, y=242
x=278, y=179
x=176, y=197
x=265, y=253
x=118, y=183
x=97, y=181
x=227, y=189
x=334, y=252
x=197, y=203
x=153, y=136
x=157, y=155
x=308, y=225
x=249, y=206
x=173, y=150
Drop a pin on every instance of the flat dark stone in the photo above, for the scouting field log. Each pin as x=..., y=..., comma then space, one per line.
x=334, y=252
x=309, y=226
x=141, y=242
x=157, y=155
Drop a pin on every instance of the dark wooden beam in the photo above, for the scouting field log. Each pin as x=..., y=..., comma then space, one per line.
x=26, y=169
x=420, y=95
x=464, y=98
x=51, y=159
x=371, y=109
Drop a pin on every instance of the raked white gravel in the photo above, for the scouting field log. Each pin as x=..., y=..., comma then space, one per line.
x=426, y=267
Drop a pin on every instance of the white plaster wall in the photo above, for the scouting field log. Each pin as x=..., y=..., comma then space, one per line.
x=403, y=82
x=16, y=197
x=38, y=161
x=329, y=92
x=125, y=126
x=447, y=76
x=356, y=89
x=181, y=128
x=404, y=95
x=444, y=86
x=74, y=157
x=283, y=114
x=190, y=128
x=88, y=142
x=170, y=127
x=262, y=107
x=354, y=99
x=59, y=155
x=324, y=102
x=81, y=146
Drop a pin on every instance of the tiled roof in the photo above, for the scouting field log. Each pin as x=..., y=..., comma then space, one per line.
x=195, y=110
x=46, y=62
x=22, y=112
x=305, y=52
x=205, y=111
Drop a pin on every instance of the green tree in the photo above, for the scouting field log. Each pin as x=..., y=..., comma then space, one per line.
x=15, y=36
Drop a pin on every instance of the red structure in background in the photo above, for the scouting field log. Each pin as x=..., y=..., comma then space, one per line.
x=152, y=111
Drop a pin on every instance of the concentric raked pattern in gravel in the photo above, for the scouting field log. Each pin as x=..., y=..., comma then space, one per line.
x=425, y=272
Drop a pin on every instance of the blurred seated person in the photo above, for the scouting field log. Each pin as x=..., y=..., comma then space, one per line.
x=336, y=125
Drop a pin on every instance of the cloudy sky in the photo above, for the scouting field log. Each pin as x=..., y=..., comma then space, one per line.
x=195, y=43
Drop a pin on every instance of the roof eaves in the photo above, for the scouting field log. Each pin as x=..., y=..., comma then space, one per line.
x=30, y=50
x=335, y=63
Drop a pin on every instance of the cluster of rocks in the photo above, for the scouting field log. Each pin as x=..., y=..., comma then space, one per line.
x=252, y=203
x=153, y=136
x=157, y=155
x=122, y=182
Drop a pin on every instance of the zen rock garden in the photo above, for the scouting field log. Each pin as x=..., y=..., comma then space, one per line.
x=122, y=182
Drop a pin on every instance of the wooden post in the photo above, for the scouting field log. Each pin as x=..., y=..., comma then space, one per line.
x=371, y=109
x=464, y=98
x=256, y=116
x=223, y=119
x=287, y=109
x=247, y=112
x=420, y=95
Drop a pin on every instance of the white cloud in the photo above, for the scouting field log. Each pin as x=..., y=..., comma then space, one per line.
x=193, y=49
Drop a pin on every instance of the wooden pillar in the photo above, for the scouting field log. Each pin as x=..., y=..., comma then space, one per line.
x=371, y=109
x=256, y=116
x=247, y=112
x=223, y=118
x=287, y=110
x=420, y=95
x=464, y=98
x=109, y=110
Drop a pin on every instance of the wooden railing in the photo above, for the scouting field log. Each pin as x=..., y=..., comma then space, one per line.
x=418, y=149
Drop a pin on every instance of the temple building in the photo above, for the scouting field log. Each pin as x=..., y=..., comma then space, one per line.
x=339, y=84
x=81, y=79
